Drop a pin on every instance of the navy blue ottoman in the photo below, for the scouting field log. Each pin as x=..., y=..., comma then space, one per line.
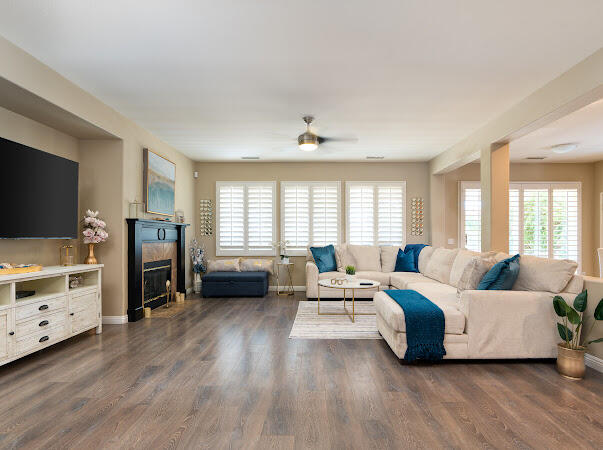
x=235, y=284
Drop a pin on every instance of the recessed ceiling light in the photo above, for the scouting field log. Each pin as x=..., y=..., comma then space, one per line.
x=564, y=148
x=250, y=157
x=375, y=157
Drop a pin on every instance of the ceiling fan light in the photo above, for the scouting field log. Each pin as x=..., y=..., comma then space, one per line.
x=564, y=148
x=308, y=146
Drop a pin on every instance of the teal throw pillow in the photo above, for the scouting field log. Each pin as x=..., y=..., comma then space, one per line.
x=502, y=276
x=324, y=257
x=405, y=261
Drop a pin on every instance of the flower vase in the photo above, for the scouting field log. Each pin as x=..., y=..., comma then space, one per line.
x=90, y=259
x=197, y=282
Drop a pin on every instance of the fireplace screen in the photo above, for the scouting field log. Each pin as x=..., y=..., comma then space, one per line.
x=156, y=273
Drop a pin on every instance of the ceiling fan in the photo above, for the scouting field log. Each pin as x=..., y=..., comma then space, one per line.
x=308, y=141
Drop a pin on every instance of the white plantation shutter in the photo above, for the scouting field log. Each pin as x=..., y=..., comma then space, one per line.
x=376, y=213
x=471, y=216
x=544, y=218
x=325, y=214
x=309, y=214
x=390, y=215
x=245, y=218
x=231, y=232
x=260, y=210
x=565, y=223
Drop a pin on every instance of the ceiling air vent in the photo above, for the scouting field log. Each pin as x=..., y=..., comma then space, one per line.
x=537, y=158
x=375, y=157
x=250, y=157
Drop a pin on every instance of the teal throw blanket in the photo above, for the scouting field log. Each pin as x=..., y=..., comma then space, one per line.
x=424, y=325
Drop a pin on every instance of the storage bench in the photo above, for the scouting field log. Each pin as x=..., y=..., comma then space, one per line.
x=235, y=284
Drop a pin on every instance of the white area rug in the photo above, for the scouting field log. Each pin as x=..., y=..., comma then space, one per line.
x=309, y=325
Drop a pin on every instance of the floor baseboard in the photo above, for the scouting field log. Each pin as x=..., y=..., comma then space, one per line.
x=295, y=288
x=115, y=320
x=593, y=362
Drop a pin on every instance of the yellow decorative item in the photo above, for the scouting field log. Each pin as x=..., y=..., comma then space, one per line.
x=90, y=259
x=11, y=269
x=66, y=256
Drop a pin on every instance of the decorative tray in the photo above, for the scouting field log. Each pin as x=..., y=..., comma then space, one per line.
x=9, y=269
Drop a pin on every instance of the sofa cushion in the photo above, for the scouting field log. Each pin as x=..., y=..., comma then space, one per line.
x=543, y=274
x=424, y=258
x=389, y=253
x=438, y=293
x=393, y=315
x=324, y=258
x=223, y=265
x=474, y=272
x=366, y=257
x=381, y=277
x=405, y=261
x=400, y=280
x=502, y=276
x=462, y=259
x=575, y=285
x=440, y=264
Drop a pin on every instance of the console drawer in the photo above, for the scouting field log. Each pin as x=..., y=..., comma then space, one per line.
x=83, y=301
x=85, y=318
x=41, y=323
x=42, y=339
x=40, y=308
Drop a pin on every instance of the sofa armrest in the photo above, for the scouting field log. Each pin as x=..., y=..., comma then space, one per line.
x=510, y=324
x=311, y=279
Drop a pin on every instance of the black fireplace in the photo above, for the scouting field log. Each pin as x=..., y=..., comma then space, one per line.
x=156, y=274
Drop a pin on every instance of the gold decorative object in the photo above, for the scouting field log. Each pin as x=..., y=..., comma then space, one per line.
x=570, y=362
x=206, y=216
x=10, y=269
x=90, y=259
x=147, y=312
x=137, y=210
x=416, y=216
x=168, y=289
x=66, y=255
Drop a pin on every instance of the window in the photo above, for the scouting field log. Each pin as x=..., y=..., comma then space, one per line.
x=310, y=214
x=245, y=218
x=376, y=213
x=544, y=219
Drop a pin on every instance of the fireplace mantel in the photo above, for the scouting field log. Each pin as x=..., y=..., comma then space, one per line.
x=157, y=234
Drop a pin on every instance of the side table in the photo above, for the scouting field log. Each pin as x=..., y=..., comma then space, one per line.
x=287, y=287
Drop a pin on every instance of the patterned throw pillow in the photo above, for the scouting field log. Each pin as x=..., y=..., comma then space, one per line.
x=223, y=265
x=257, y=265
x=473, y=273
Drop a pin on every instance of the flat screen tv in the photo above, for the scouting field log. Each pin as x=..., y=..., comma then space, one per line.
x=38, y=194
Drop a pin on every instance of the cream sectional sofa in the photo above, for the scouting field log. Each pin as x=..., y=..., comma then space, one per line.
x=519, y=323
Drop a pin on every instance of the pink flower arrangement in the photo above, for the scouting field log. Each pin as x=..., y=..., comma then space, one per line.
x=94, y=229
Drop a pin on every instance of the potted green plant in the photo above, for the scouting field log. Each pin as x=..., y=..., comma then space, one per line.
x=350, y=273
x=570, y=352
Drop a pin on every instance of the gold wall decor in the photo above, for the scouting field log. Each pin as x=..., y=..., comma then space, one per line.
x=416, y=216
x=206, y=212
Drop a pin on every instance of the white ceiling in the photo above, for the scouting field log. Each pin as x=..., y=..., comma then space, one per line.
x=224, y=79
x=584, y=127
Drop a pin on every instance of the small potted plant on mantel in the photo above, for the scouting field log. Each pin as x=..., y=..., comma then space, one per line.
x=570, y=353
x=350, y=273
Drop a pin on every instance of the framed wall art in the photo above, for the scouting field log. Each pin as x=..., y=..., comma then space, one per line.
x=159, y=184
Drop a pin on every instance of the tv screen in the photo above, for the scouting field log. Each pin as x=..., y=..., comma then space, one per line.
x=39, y=194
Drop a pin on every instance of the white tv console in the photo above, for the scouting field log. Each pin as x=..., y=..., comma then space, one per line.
x=56, y=312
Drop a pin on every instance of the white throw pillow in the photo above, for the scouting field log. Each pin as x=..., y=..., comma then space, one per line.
x=424, y=258
x=462, y=259
x=440, y=264
x=389, y=254
x=257, y=265
x=543, y=274
x=366, y=257
x=575, y=284
x=223, y=265
x=473, y=273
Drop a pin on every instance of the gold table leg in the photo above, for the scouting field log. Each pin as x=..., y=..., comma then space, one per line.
x=286, y=289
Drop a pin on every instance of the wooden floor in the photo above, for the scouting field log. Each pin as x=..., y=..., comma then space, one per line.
x=224, y=374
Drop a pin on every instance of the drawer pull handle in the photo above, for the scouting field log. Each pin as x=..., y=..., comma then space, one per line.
x=44, y=338
x=43, y=307
x=43, y=323
x=12, y=333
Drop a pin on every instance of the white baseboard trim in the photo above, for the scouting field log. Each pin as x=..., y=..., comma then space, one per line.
x=295, y=288
x=115, y=320
x=593, y=362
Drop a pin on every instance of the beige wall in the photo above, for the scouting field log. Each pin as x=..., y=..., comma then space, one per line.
x=27, y=132
x=415, y=175
x=121, y=173
x=584, y=173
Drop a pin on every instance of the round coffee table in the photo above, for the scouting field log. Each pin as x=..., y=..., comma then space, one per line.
x=345, y=286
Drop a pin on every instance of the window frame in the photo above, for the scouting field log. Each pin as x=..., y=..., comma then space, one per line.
x=309, y=184
x=520, y=186
x=245, y=251
x=376, y=184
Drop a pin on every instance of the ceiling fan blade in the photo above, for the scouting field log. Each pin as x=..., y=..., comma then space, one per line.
x=349, y=139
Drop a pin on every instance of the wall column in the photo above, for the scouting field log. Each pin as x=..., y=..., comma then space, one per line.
x=494, y=167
